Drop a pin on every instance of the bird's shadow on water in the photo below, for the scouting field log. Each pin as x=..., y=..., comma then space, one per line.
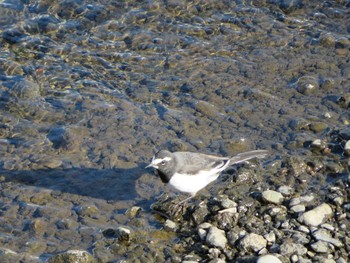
x=109, y=184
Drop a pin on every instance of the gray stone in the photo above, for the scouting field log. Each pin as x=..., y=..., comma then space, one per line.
x=338, y=200
x=347, y=148
x=170, y=225
x=341, y=260
x=287, y=249
x=316, y=216
x=253, y=242
x=323, y=235
x=270, y=237
x=298, y=208
x=320, y=247
x=202, y=233
x=286, y=190
x=301, y=200
x=268, y=259
x=216, y=237
x=228, y=203
x=271, y=196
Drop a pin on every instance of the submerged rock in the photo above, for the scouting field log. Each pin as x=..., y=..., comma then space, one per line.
x=72, y=256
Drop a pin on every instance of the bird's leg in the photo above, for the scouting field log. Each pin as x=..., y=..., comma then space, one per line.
x=186, y=199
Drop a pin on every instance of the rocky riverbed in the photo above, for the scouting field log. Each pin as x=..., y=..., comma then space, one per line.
x=90, y=90
x=285, y=217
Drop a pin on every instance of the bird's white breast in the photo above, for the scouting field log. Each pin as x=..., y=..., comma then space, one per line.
x=192, y=183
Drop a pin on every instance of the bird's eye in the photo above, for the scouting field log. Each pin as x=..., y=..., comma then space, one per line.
x=162, y=163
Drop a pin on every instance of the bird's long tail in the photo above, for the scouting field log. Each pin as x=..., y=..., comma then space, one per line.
x=242, y=157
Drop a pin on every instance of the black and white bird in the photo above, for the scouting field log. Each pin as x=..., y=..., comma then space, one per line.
x=189, y=172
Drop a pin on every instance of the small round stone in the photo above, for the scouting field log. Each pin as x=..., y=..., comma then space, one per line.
x=271, y=196
x=268, y=259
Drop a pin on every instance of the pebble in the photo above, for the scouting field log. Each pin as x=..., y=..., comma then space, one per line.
x=133, y=211
x=324, y=235
x=253, y=242
x=316, y=216
x=307, y=85
x=298, y=208
x=320, y=247
x=202, y=233
x=122, y=233
x=271, y=196
x=301, y=200
x=288, y=248
x=216, y=237
x=80, y=256
x=347, y=148
x=338, y=200
x=170, y=225
x=270, y=237
x=268, y=259
x=304, y=229
x=285, y=190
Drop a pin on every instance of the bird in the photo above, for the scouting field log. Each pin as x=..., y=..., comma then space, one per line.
x=189, y=172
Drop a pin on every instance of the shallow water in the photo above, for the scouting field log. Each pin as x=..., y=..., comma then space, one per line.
x=90, y=90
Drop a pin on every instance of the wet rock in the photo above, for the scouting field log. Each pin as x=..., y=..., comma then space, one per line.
x=327, y=40
x=36, y=247
x=51, y=163
x=298, y=124
x=25, y=89
x=206, y=109
x=133, y=211
x=87, y=210
x=307, y=85
x=316, y=216
x=66, y=223
x=288, y=6
x=36, y=226
x=170, y=225
x=273, y=197
x=288, y=248
x=216, y=237
x=344, y=134
x=65, y=138
x=268, y=259
x=72, y=256
x=253, y=242
x=8, y=255
x=318, y=145
x=121, y=233
x=318, y=126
